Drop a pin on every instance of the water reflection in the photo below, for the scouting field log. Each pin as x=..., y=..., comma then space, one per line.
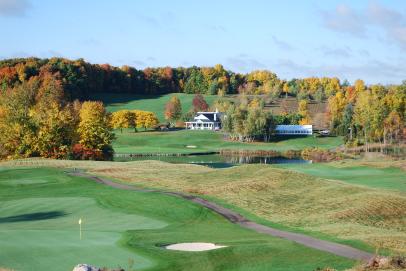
x=217, y=160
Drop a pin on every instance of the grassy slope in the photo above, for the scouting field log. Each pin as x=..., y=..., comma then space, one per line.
x=329, y=209
x=205, y=141
x=115, y=102
x=175, y=142
x=382, y=177
x=38, y=229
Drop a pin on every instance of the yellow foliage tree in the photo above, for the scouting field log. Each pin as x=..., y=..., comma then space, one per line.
x=123, y=119
x=302, y=110
x=94, y=127
x=145, y=119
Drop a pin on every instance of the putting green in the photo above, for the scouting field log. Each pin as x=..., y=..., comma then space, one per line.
x=54, y=223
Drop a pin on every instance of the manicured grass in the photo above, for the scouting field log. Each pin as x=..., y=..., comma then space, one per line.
x=208, y=141
x=41, y=207
x=387, y=178
x=156, y=104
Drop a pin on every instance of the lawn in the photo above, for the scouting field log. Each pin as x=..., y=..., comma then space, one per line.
x=208, y=141
x=39, y=228
x=377, y=177
x=156, y=104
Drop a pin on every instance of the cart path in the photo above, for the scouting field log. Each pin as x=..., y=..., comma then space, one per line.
x=236, y=218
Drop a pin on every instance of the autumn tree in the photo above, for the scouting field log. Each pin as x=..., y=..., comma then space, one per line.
x=173, y=109
x=95, y=131
x=303, y=111
x=199, y=103
x=335, y=107
x=145, y=119
x=123, y=119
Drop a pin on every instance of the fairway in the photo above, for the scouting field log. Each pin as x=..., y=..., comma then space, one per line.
x=208, y=141
x=387, y=178
x=38, y=229
x=153, y=103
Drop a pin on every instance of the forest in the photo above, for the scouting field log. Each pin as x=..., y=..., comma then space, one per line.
x=43, y=108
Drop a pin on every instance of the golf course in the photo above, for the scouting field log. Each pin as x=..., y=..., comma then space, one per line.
x=39, y=228
x=42, y=202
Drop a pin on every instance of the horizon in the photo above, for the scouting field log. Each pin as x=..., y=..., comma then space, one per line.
x=363, y=40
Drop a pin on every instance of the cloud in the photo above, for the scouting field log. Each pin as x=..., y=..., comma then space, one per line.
x=283, y=45
x=382, y=15
x=373, y=71
x=139, y=63
x=244, y=63
x=217, y=28
x=50, y=54
x=344, y=52
x=391, y=21
x=15, y=8
x=357, y=23
x=364, y=53
x=344, y=19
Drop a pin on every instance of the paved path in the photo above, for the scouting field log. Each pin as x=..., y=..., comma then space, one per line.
x=236, y=218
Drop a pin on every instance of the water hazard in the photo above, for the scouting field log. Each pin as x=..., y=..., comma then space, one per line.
x=217, y=160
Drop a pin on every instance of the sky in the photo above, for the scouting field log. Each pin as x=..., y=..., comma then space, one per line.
x=294, y=39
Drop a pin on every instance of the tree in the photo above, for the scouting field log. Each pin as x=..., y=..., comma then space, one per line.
x=285, y=89
x=199, y=103
x=392, y=127
x=359, y=86
x=145, y=119
x=336, y=105
x=123, y=119
x=173, y=109
x=94, y=130
x=195, y=83
x=347, y=121
x=302, y=110
x=319, y=95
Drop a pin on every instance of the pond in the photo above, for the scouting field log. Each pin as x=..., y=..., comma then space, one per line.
x=217, y=160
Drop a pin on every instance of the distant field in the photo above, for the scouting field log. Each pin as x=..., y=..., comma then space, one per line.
x=384, y=177
x=207, y=141
x=40, y=208
x=156, y=104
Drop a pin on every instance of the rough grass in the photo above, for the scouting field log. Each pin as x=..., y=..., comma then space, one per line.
x=38, y=228
x=208, y=141
x=301, y=202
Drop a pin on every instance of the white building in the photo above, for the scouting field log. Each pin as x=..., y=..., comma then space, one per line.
x=294, y=129
x=205, y=121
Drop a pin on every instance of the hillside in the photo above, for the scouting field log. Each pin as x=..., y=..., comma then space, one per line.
x=153, y=103
x=156, y=104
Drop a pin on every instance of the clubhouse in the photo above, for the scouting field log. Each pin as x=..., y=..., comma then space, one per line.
x=205, y=121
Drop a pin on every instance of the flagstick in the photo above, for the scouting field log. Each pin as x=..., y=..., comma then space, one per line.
x=80, y=228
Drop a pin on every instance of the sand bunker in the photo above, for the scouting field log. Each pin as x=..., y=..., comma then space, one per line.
x=193, y=246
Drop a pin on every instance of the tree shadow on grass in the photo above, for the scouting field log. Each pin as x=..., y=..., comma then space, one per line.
x=32, y=217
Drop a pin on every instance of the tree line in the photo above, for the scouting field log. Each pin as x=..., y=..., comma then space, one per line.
x=41, y=116
x=366, y=114
x=81, y=79
x=37, y=120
